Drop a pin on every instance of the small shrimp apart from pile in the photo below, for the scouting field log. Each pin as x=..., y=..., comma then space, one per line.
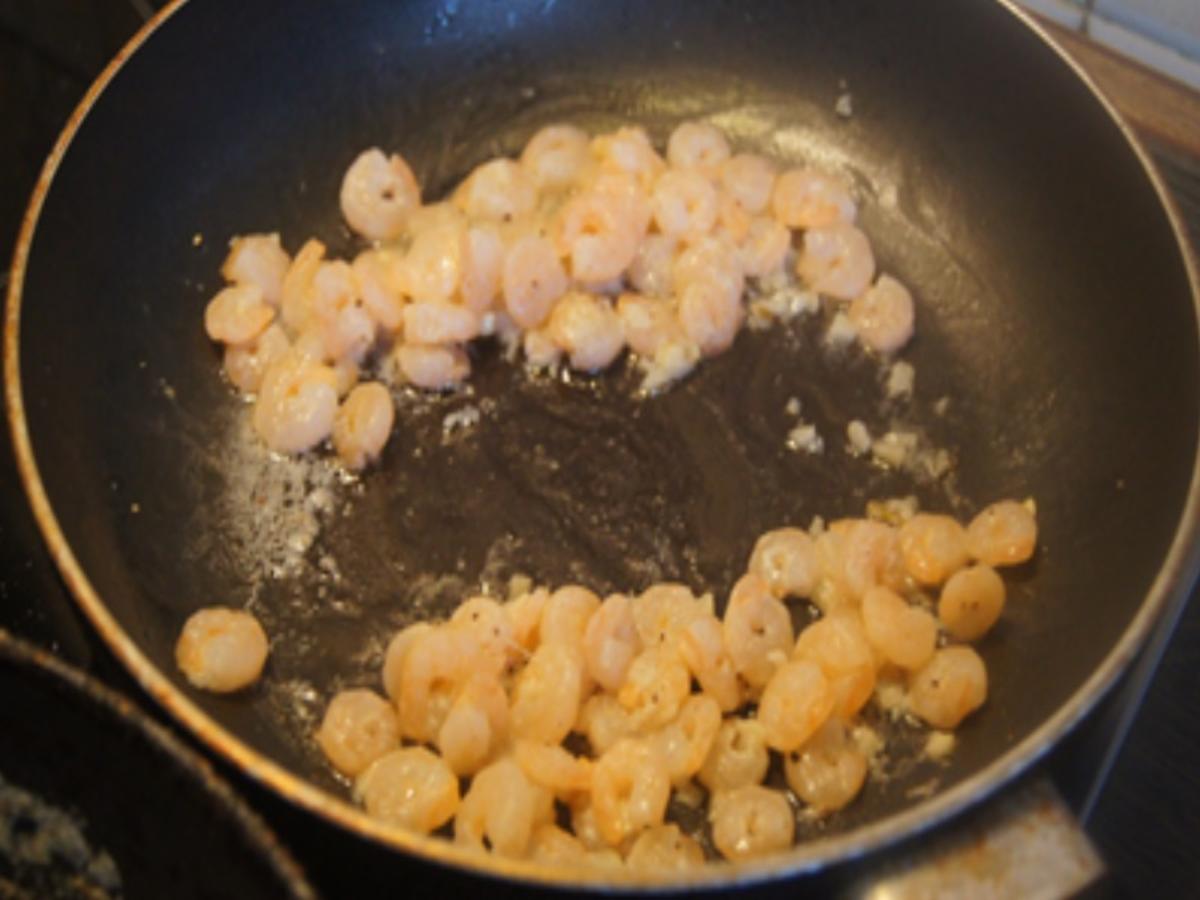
x=515, y=717
x=577, y=251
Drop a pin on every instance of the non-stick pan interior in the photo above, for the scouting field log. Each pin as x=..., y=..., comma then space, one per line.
x=1053, y=311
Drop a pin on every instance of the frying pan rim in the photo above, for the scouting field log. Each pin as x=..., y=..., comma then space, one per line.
x=1177, y=574
x=114, y=705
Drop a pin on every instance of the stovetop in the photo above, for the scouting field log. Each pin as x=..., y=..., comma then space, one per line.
x=1139, y=797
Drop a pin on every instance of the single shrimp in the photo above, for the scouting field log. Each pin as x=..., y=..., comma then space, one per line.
x=245, y=364
x=434, y=265
x=550, y=845
x=786, y=559
x=749, y=180
x=765, y=247
x=739, y=756
x=597, y=231
x=794, y=704
x=238, y=314
x=610, y=642
x=566, y=615
x=805, y=198
x=411, y=787
x=629, y=151
x=905, y=635
x=630, y=789
x=476, y=724
x=532, y=280
x=836, y=260
x=437, y=322
x=828, y=771
x=363, y=424
x=1003, y=534
x=663, y=611
x=483, y=262
x=751, y=822
x=221, y=650
x=297, y=289
x=757, y=630
x=553, y=767
x=587, y=329
x=489, y=626
x=358, y=728
x=684, y=204
x=603, y=721
x=257, y=259
x=524, y=614
x=647, y=322
x=650, y=270
x=883, y=315
x=394, y=656
x=297, y=404
x=684, y=742
x=664, y=848
x=338, y=314
x=871, y=555
x=709, y=317
x=838, y=644
x=501, y=809
x=546, y=696
x=556, y=156
x=431, y=366
x=702, y=648
x=971, y=602
x=378, y=194
x=435, y=667
x=934, y=547
x=697, y=145
x=951, y=686
x=382, y=285
x=498, y=190
x=655, y=686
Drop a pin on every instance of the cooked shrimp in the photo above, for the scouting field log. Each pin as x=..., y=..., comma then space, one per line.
x=359, y=727
x=838, y=644
x=684, y=742
x=501, y=809
x=552, y=846
x=663, y=611
x=378, y=195
x=709, y=316
x=1004, y=534
x=757, y=630
x=794, y=704
x=382, y=285
x=532, y=280
x=610, y=642
x=702, y=647
x=221, y=650
x=476, y=724
x=436, y=322
x=297, y=289
x=297, y=404
x=971, y=602
x=655, y=686
x=598, y=231
x=697, y=145
x=951, y=686
x=738, y=756
x=650, y=270
x=804, y=198
x=434, y=265
x=786, y=560
x=934, y=547
x=630, y=789
x=553, y=767
x=237, y=314
x=828, y=771
x=490, y=628
x=433, y=367
x=905, y=635
x=587, y=329
x=629, y=151
x=685, y=204
x=836, y=260
x=436, y=665
x=336, y=313
x=394, y=656
x=647, y=322
x=713, y=261
x=524, y=613
x=483, y=262
x=246, y=364
x=764, y=247
x=749, y=181
x=556, y=156
x=411, y=787
x=750, y=822
x=546, y=696
x=566, y=614
x=603, y=721
x=257, y=259
x=883, y=315
x=664, y=848
x=498, y=190
x=871, y=555
x=363, y=424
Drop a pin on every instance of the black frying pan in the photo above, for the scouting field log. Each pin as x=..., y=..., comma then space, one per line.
x=1055, y=308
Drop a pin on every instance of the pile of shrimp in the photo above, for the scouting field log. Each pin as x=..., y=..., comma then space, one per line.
x=579, y=250
x=573, y=720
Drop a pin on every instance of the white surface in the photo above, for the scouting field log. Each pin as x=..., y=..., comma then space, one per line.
x=1062, y=12
x=1148, y=52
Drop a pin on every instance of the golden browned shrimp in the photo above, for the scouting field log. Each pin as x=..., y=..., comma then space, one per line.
x=378, y=194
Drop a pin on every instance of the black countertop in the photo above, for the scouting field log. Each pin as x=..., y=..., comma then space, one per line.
x=1146, y=817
